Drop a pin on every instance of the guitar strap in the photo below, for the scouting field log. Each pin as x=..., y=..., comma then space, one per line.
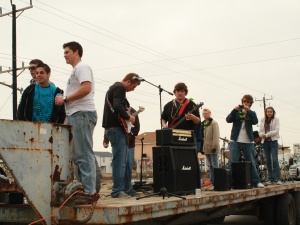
x=186, y=101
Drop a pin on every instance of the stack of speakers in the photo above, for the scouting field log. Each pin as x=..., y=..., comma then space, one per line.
x=240, y=177
x=175, y=167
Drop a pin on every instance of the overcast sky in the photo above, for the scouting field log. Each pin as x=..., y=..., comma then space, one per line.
x=221, y=49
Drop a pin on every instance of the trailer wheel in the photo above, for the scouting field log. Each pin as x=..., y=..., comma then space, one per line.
x=269, y=211
x=286, y=210
x=296, y=196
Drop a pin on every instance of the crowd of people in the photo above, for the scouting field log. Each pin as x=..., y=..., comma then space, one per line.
x=42, y=101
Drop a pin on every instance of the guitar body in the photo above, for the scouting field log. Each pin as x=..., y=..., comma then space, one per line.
x=125, y=122
x=127, y=125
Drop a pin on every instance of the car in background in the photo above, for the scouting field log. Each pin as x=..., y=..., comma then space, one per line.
x=294, y=171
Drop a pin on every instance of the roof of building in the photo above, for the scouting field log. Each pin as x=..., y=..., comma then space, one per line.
x=103, y=154
x=149, y=138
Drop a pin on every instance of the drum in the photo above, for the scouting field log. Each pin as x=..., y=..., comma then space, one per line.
x=227, y=154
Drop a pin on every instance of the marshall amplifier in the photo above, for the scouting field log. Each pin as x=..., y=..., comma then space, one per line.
x=175, y=137
x=176, y=169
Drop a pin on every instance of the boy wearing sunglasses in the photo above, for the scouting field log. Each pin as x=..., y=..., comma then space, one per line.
x=241, y=138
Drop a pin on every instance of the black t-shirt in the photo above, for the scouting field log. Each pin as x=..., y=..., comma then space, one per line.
x=116, y=95
x=171, y=110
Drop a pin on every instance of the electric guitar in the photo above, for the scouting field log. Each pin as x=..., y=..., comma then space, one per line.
x=183, y=118
x=126, y=123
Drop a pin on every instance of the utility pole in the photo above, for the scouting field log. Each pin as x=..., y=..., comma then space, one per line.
x=14, y=52
x=264, y=101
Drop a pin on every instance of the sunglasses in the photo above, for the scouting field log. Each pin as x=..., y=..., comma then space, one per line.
x=32, y=68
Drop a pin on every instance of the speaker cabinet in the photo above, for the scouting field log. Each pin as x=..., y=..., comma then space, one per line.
x=175, y=168
x=241, y=175
x=222, y=181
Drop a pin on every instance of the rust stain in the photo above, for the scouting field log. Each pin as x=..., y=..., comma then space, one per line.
x=51, y=140
x=31, y=140
x=70, y=136
x=57, y=173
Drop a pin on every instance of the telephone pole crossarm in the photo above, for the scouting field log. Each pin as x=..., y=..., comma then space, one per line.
x=264, y=101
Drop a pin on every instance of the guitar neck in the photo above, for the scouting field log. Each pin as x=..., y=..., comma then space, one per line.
x=136, y=113
x=183, y=118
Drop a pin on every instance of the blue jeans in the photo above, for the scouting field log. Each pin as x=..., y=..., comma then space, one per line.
x=83, y=124
x=118, y=141
x=128, y=171
x=213, y=163
x=271, y=154
x=248, y=151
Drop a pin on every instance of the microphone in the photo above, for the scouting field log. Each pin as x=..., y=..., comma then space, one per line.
x=137, y=78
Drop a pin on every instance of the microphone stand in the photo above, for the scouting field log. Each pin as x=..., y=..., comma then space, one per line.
x=163, y=191
x=141, y=167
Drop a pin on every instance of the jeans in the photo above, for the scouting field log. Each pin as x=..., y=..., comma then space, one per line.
x=271, y=154
x=118, y=141
x=128, y=171
x=83, y=124
x=248, y=151
x=213, y=163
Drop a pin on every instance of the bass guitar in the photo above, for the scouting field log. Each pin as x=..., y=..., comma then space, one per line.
x=127, y=125
x=183, y=118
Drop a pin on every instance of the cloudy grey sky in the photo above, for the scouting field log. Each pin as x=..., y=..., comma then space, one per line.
x=220, y=49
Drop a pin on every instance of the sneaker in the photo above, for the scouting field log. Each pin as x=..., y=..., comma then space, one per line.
x=260, y=185
x=121, y=194
x=269, y=183
x=279, y=182
x=132, y=193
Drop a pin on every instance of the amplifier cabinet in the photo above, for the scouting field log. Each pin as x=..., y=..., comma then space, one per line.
x=222, y=181
x=176, y=168
x=175, y=137
x=241, y=175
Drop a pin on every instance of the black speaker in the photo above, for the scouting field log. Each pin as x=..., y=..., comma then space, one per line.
x=241, y=175
x=222, y=181
x=175, y=168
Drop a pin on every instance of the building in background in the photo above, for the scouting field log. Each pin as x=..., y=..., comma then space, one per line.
x=104, y=160
x=296, y=149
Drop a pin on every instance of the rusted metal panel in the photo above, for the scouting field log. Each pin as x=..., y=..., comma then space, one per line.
x=39, y=157
x=13, y=214
x=9, y=188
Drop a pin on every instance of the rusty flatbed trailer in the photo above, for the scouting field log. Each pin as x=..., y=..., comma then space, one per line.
x=38, y=157
x=159, y=210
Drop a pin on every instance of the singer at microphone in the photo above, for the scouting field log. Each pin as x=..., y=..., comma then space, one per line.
x=138, y=78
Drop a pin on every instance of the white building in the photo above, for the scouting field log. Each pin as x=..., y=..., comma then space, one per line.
x=104, y=160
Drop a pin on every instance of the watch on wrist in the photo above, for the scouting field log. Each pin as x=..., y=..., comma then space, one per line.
x=65, y=99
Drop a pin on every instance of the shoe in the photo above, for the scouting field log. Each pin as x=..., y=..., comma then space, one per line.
x=83, y=201
x=269, y=183
x=132, y=193
x=260, y=185
x=136, y=194
x=121, y=194
x=279, y=182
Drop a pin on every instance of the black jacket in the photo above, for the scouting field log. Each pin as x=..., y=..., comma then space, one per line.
x=25, y=109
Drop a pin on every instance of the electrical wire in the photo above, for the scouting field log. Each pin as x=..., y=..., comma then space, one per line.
x=53, y=214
